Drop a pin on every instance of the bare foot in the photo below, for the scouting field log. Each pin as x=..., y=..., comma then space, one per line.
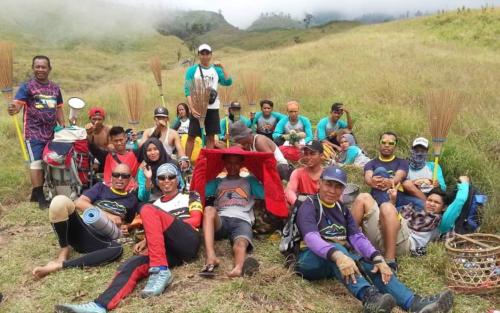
x=42, y=271
x=63, y=254
x=235, y=272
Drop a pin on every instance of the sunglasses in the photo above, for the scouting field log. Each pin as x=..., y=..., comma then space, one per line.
x=169, y=177
x=122, y=175
x=390, y=143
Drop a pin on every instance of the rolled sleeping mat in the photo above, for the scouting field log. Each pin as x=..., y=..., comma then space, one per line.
x=97, y=220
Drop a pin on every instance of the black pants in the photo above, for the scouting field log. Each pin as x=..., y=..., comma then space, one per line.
x=97, y=250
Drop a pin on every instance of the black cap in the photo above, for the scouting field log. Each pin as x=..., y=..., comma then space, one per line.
x=161, y=111
x=314, y=145
x=235, y=105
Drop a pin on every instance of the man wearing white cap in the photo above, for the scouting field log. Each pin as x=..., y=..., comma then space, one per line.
x=212, y=75
x=419, y=179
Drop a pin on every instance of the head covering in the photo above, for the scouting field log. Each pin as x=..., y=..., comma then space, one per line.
x=161, y=111
x=204, y=47
x=97, y=111
x=164, y=157
x=336, y=174
x=420, y=141
x=239, y=131
x=350, y=139
x=169, y=169
x=417, y=160
x=314, y=145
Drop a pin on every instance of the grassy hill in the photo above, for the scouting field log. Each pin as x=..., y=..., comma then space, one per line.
x=269, y=21
x=379, y=71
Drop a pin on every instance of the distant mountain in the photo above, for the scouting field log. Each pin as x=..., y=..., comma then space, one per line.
x=185, y=24
x=324, y=17
x=268, y=21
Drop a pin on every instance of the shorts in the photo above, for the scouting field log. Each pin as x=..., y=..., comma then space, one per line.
x=234, y=228
x=212, y=124
x=35, y=149
x=371, y=227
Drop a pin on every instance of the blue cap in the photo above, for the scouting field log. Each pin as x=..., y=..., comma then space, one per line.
x=336, y=174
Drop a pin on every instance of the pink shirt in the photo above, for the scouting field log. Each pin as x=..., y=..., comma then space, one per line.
x=300, y=182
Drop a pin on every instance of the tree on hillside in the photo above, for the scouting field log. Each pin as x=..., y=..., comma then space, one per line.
x=308, y=19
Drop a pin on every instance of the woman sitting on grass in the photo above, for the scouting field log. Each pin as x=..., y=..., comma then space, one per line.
x=350, y=153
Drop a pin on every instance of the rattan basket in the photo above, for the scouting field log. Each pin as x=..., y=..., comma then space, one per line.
x=473, y=267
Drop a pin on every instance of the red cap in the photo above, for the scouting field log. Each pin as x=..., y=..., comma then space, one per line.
x=97, y=111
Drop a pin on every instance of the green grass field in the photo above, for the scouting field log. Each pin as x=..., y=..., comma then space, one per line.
x=380, y=72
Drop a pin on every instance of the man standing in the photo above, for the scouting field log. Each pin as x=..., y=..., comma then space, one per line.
x=212, y=75
x=42, y=102
x=388, y=171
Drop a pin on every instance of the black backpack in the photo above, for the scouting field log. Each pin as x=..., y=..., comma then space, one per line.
x=291, y=236
x=470, y=217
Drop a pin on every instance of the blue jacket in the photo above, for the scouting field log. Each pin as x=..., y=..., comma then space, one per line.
x=280, y=128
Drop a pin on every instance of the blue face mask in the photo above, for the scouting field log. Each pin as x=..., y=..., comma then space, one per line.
x=417, y=160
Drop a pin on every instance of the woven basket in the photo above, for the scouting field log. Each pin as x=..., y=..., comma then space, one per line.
x=472, y=268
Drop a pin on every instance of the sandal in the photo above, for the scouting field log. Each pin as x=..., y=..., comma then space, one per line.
x=208, y=271
x=250, y=266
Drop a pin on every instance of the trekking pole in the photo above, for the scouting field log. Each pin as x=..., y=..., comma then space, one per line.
x=7, y=92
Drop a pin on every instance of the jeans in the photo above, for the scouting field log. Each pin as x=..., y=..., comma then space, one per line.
x=402, y=199
x=313, y=267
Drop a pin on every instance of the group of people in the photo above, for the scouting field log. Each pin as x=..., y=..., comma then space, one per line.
x=143, y=180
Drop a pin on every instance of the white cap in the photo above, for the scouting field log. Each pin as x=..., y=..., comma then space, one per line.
x=204, y=47
x=420, y=141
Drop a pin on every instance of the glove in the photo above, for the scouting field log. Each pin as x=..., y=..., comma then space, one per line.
x=347, y=266
x=379, y=265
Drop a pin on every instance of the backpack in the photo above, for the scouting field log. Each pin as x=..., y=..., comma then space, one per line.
x=470, y=217
x=290, y=236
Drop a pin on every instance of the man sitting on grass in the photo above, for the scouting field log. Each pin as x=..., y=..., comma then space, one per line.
x=335, y=247
x=411, y=230
x=229, y=214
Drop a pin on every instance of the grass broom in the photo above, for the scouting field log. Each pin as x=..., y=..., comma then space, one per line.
x=225, y=97
x=251, y=85
x=6, y=85
x=442, y=109
x=199, y=97
x=133, y=97
x=155, y=65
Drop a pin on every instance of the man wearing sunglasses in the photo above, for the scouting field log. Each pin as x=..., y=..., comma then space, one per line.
x=170, y=225
x=212, y=75
x=115, y=203
x=328, y=127
x=388, y=171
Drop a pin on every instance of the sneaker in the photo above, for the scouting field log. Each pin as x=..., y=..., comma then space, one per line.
x=158, y=281
x=90, y=307
x=40, y=198
x=376, y=302
x=440, y=303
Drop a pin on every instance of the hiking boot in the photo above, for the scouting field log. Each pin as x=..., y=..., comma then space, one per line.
x=376, y=302
x=158, y=281
x=33, y=197
x=90, y=307
x=440, y=303
x=40, y=198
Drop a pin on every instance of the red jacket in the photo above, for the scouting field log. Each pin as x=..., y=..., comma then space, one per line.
x=261, y=164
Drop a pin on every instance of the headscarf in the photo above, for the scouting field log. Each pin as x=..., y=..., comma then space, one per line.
x=168, y=169
x=164, y=157
x=350, y=139
x=342, y=155
x=417, y=160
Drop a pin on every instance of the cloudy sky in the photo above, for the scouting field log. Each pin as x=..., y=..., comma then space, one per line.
x=241, y=13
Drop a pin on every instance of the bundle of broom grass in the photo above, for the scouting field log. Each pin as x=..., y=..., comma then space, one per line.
x=133, y=98
x=7, y=87
x=199, y=97
x=251, y=85
x=442, y=109
x=155, y=65
x=225, y=95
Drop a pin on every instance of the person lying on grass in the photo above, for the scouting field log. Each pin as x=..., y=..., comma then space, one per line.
x=170, y=225
x=116, y=203
x=229, y=214
x=305, y=180
x=410, y=230
x=335, y=247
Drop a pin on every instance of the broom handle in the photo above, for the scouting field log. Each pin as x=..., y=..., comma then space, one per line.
x=479, y=243
x=435, y=172
x=20, y=137
x=227, y=132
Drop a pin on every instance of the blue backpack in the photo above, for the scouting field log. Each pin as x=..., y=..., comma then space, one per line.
x=470, y=217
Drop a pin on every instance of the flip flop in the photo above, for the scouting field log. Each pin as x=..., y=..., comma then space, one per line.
x=208, y=271
x=250, y=266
